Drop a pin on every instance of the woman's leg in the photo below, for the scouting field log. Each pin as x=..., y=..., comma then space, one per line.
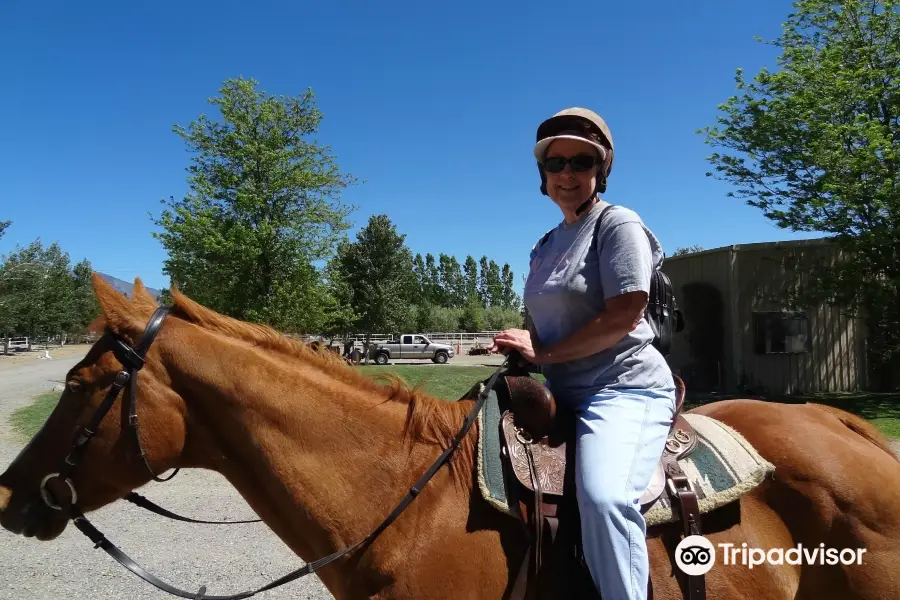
x=621, y=436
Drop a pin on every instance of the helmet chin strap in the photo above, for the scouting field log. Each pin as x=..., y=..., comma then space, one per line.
x=599, y=187
x=584, y=205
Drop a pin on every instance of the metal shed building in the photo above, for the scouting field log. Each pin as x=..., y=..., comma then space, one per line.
x=739, y=336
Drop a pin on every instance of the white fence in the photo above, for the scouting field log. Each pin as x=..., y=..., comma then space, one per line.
x=29, y=344
x=462, y=339
x=22, y=343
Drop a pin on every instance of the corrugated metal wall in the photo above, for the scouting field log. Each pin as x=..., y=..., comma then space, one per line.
x=835, y=360
x=750, y=278
x=714, y=268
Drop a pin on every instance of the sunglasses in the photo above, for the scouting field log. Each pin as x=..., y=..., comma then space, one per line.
x=580, y=163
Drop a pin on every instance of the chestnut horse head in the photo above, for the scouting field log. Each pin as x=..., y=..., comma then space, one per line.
x=83, y=453
x=322, y=453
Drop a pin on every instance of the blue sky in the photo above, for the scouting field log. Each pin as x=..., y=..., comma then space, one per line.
x=432, y=105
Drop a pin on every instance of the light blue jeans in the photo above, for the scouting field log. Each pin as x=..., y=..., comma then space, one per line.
x=621, y=434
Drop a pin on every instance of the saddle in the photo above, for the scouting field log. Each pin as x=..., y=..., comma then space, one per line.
x=538, y=449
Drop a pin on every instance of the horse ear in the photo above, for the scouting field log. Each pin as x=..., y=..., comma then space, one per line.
x=119, y=313
x=141, y=297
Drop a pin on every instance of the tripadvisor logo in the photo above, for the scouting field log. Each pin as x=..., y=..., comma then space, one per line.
x=696, y=555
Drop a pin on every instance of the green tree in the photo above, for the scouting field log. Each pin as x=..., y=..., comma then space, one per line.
x=445, y=319
x=447, y=279
x=377, y=269
x=687, y=250
x=509, y=299
x=339, y=315
x=420, y=273
x=4, y=225
x=472, y=318
x=484, y=290
x=263, y=207
x=85, y=305
x=165, y=297
x=470, y=274
x=432, y=282
x=816, y=146
x=453, y=280
x=498, y=318
x=37, y=292
x=490, y=287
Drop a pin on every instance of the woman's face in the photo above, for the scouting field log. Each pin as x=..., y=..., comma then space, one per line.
x=571, y=167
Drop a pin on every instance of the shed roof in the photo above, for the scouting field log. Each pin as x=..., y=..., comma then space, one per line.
x=757, y=246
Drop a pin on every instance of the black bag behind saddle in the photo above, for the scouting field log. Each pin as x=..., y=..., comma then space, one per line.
x=662, y=312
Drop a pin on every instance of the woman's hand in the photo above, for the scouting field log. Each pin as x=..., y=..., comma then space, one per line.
x=516, y=339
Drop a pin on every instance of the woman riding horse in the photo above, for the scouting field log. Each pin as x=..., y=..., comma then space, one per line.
x=586, y=299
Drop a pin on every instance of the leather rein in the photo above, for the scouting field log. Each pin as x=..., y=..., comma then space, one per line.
x=132, y=359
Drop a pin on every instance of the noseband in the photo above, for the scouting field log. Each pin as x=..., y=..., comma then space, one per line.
x=132, y=359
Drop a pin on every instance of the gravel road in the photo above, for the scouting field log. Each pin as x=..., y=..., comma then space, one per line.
x=227, y=559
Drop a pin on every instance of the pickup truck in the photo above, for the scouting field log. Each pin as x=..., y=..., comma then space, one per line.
x=412, y=345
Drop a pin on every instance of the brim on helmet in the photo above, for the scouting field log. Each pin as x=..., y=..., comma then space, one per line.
x=540, y=149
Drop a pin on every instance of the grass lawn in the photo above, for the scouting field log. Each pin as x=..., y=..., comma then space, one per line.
x=447, y=383
x=882, y=410
x=450, y=382
x=28, y=419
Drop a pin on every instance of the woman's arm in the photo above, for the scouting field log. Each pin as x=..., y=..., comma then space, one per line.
x=625, y=269
x=626, y=266
x=621, y=315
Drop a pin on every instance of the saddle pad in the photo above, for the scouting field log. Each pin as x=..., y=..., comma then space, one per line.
x=721, y=468
x=491, y=476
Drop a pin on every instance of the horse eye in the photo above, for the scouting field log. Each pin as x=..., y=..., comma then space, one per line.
x=74, y=386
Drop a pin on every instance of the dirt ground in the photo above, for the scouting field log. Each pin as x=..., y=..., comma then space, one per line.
x=37, y=353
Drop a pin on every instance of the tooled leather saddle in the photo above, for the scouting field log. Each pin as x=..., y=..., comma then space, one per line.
x=537, y=438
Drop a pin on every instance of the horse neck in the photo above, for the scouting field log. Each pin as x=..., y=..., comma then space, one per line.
x=321, y=459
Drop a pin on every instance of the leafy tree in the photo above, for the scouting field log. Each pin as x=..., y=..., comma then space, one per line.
x=3, y=227
x=37, y=292
x=444, y=319
x=484, y=289
x=421, y=288
x=339, y=315
x=420, y=317
x=509, y=299
x=490, y=288
x=816, y=147
x=432, y=282
x=263, y=207
x=85, y=305
x=472, y=318
x=687, y=250
x=498, y=318
x=165, y=296
x=452, y=281
x=377, y=269
x=470, y=274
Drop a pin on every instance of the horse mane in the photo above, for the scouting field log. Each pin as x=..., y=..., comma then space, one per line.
x=428, y=419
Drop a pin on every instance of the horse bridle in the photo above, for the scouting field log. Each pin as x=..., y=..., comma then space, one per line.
x=132, y=360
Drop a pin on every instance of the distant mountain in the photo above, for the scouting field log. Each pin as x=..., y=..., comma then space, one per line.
x=125, y=287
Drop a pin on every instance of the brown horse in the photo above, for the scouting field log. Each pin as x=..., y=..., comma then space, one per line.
x=323, y=453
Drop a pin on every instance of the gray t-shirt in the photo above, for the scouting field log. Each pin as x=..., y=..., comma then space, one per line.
x=567, y=286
